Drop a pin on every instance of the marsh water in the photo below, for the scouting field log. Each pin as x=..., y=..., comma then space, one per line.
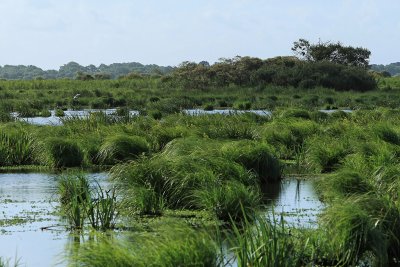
x=32, y=231
x=54, y=120
x=30, y=228
x=296, y=200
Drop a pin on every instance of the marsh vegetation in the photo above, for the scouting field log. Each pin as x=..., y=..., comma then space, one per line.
x=195, y=188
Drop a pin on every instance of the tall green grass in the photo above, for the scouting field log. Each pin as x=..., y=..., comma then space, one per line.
x=229, y=201
x=61, y=152
x=362, y=225
x=82, y=202
x=266, y=243
x=186, y=175
x=176, y=245
x=18, y=147
x=120, y=148
x=256, y=157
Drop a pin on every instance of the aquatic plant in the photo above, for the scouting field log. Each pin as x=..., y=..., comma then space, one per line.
x=256, y=157
x=343, y=183
x=122, y=148
x=230, y=200
x=81, y=201
x=139, y=200
x=327, y=154
x=102, y=210
x=295, y=113
x=363, y=224
x=63, y=153
x=18, y=147
x=75, y=195
x=268, y=242
x=176, y=245
x=387, y=134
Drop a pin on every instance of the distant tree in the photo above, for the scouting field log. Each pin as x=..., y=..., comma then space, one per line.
x=204, y=63
x=83, y=76
x=333, y=52
x=102, y=76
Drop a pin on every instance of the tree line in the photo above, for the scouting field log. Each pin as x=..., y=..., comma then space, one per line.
x=74, y=70
x=392, y=69
x=330, y=65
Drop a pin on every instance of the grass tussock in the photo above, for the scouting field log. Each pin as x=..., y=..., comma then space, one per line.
x=83, y=202
x=62, y=153
x=121, y=148
x=256, y=157
x=176, y=246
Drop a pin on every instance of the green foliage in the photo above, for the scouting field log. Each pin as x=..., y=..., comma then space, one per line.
x=387, y=134
x=143, y=201
x=81, y=202
x=229, y=201
x=343, y=183
x=61, y=153
x=17, y=147
x=74, y=192
x=336, y=53
x=327, y=155
x=266, y=243
x=177, y=245
x=256, y=157
x=120, y=148
x=392, y=68
x=295, y=113
x=186, y=175
x=71, y=69
x=362, y=224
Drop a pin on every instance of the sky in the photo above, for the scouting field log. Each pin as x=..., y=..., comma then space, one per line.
x=50, y=33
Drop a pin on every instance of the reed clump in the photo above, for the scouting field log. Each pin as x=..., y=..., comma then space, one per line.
x=121, y=148
x=256, y=157
x=83, y=202
x=174, y=245
x=61, y=152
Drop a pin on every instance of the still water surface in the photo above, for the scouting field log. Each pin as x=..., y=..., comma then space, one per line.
x=28, y=203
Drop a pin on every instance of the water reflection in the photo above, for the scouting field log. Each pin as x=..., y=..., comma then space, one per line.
x=28, y=203
x=54, y=120
x=296, y=200
x=30, y=228
x=195, y=112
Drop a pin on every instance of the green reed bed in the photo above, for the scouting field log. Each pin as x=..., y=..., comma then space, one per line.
x=187, y=163
x=82, y=202
x=174, y=244
x=195, y=173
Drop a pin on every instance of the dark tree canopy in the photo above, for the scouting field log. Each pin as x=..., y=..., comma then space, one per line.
x=279, y=71
x=333, y=52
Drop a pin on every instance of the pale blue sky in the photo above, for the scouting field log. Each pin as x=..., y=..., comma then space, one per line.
x=49, y=33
